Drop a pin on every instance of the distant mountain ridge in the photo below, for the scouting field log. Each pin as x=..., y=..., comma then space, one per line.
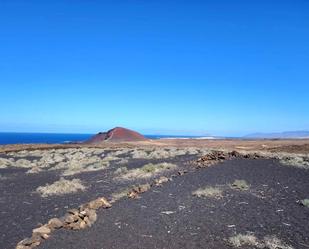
x=285, y=134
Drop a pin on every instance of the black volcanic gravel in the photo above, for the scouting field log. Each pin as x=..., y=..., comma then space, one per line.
x=269, y=208
x=21, y=209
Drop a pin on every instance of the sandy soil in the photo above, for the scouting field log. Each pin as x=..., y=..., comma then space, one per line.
x=285, y=145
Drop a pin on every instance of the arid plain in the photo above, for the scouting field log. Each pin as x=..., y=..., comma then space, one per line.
x=167, y=193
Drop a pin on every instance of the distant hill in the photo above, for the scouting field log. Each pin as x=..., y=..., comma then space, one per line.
x=117, y=134
x=285, y=134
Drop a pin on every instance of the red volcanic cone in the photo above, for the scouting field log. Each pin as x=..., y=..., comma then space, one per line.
x=117, y=134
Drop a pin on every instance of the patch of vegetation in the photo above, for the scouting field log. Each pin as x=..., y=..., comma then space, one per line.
x=61, y=187
x=269, y=242
x=296, y=161
x=272, y=242
x=146, y=171
x=119, y=195
x=158, y=153
x=150, y=167
x=213, y=192
x=122, y=161
x=121, y=170
x=243, y=239
x=240, y=185
x=305, y=202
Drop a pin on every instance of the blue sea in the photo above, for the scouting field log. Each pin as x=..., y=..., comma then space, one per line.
x=51, y=138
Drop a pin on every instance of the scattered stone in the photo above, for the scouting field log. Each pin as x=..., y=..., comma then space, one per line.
x=161, y=180
x=42, y=230
x=138, y=190
x=92, y=216
x=168, y=212
x=73, y=211
x=143, y=188
x=69, y=218
x=133, y=195
x=55, y=223
x=45, y=236
x=219, y=156
x=98, y=203
x=28, y=242
x=20, y=246
x=82, y=224
x=182, y=172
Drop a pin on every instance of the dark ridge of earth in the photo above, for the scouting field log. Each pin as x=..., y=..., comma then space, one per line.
x=269, y=208
x=117, y=134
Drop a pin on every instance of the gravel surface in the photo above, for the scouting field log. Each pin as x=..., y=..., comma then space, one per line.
x=171, y=217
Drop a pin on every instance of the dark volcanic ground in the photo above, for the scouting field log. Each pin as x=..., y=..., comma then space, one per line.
x=170, y=217
x=22, y=209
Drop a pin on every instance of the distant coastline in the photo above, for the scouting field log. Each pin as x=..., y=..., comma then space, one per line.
x=62, y=138
x=36, y=138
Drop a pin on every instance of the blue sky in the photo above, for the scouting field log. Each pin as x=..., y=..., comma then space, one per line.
x=170, y=67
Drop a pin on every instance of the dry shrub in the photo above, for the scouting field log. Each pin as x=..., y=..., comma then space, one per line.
x=121, y=170
x=305, y=202
x=272, y=242
x=213, y=192
x=61, y=187
x=243, y=239
x=269, y=242
x=159, y=153
x=4, y=162
x=240, y=185
x=146, y=171
x=119, y=195
x=298, y=160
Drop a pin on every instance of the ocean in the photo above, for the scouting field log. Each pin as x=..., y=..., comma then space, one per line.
x=50, y=138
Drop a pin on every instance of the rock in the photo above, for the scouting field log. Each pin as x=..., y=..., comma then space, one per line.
x=143, y=188
x=74, y=225
x=26, y=242
x=100, y=202
x=235, y=154
x=37, y=237
x=21, y=246
x=45, y=236
x=69, y=218
x=34, y=241
x=92, y=216
x=73, y=211
x=42, y=230
x=161, y=180
x=55, y=223
x=87, y=221
x=138, y=190
x=82, y=224
x=82, y=214
x=132, y=194
x=182, y=172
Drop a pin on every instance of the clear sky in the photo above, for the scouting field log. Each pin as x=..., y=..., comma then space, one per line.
x=171, y=67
